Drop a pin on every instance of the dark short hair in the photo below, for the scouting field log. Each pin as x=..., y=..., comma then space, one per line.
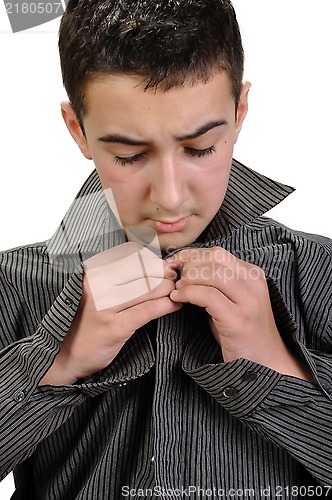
x=167, y=42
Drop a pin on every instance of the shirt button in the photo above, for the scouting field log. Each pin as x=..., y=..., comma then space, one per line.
x=68, y=302
x=19, y=396
x=250, y=376
x=229, y=392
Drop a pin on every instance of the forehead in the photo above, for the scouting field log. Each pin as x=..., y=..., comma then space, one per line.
x=124, y=100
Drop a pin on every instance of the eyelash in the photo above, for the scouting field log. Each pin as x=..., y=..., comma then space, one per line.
x=198, y=153
x=130, y=160
x=201, y=152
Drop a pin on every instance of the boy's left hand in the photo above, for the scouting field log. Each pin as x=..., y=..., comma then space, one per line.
x=236, y=297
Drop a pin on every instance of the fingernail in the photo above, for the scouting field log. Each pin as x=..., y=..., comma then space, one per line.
x=174, y=294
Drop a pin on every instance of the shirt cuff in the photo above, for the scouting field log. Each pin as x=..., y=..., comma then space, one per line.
x=239, y=386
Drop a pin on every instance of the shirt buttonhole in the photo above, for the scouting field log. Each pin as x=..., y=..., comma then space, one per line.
x=250, y=376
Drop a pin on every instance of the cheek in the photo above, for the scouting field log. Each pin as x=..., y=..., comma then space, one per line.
x=211, y=185
x=214, y=175
x=112, y=176
x=123, y=203
x=128, y=195
x=109, y=175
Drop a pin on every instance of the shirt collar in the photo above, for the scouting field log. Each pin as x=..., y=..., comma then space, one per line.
x=249, y=195
x=89, y=226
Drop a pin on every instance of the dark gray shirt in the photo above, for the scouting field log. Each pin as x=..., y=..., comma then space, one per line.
x=168, y=418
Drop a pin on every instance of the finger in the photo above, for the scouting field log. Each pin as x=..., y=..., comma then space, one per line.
x=153, y=266
x=224, y=279
x=179, y=259
x=169, y=272
x=235, y=279
x=119, y=297
x=139, y=315
x=211, y=299
x=123, y=264
x=126, y=269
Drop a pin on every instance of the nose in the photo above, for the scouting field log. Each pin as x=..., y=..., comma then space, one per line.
x=168, y=184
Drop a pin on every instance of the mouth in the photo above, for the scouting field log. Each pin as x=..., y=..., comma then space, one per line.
x=171, y=226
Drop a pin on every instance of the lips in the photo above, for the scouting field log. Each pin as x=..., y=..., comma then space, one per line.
x=171, y=226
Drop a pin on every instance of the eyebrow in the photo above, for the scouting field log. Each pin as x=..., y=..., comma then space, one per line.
x=202, y=130
x=120, y=139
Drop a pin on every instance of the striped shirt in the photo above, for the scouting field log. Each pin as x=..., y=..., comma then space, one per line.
x=168, y=418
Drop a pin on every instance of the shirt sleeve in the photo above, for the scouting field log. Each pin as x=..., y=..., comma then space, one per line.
x=293, y=414
x=36, y=312
x=27, y=350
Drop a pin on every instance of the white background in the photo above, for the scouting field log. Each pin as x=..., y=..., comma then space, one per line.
x=287, y=134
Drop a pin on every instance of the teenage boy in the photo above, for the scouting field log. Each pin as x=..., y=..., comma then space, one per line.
x=205, y=373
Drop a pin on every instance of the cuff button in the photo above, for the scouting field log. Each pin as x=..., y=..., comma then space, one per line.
x=229, y=392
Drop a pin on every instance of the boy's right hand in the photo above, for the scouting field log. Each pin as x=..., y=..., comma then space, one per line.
x=123, y=289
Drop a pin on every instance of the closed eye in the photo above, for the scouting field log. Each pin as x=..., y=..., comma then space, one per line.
x=128, y=160
x=200, y=152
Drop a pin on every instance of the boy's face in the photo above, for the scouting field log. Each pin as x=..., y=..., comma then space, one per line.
x=166, y=156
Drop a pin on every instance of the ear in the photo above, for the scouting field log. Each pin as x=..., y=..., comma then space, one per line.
x=242, y=109
x=75, y=129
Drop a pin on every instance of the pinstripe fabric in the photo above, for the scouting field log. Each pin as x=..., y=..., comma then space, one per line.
x=168, y=413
